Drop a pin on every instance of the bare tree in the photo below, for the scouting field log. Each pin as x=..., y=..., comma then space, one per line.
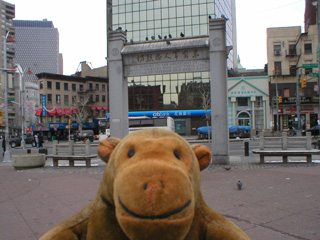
x=205, y=101
x=83, y=108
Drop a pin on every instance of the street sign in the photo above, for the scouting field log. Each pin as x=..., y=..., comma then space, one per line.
x=314, y=74
x=311, y=65
x=10, y=99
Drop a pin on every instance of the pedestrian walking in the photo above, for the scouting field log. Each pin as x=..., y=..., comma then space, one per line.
x=36, y=138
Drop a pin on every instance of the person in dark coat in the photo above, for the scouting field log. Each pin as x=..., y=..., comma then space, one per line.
x=3, y=145
x=40, y=140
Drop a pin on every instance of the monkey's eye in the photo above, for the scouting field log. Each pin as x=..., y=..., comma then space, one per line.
x=131, y=152
x=176, y=154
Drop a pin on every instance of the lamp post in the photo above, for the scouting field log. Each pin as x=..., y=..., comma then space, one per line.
x=8, y=38
x=21, y=72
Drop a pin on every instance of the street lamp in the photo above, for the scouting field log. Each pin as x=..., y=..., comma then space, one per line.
x=21, y=72
x=7, y=39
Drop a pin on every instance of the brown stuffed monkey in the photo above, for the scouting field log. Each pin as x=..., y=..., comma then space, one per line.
x=150, y=190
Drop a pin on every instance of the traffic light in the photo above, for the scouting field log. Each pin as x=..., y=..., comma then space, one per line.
x=303, y=82
x=280, y=99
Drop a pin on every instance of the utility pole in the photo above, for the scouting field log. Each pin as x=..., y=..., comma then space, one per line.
x=298, y=102
x=277, y=103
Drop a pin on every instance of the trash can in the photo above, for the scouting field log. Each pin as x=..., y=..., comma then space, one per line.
x=43, y=151
x=246, y=148
x=53, y=138
x=28, y=151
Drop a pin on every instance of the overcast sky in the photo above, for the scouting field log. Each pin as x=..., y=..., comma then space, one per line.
x=82, y=27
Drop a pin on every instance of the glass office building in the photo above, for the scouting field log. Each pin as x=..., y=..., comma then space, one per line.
x=151, y=20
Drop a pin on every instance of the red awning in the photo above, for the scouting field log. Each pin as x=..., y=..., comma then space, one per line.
x=98, y=108
x=39, y=112
x=59, y=111
x=75, y=110
x=51, y=112
x=92, y=107
x=67, y=111
x=104, y=108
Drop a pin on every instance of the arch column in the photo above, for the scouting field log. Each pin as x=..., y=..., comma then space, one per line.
x=118, y=85
x=219, y=91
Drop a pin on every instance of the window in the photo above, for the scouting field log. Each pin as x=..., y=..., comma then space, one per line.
x=97, y=87
x=58, y=99
x=103, y=87
x=66, y=86
x=66, y=100
x=292, y=49
x=286, y=92
x=74, y=88
x=103, y=98
x=49, y=98
x=97, y=98
x=242, y=101
x=58, y=119
x=57, y=85
x=81, y=99
x=81, y=87
x=74, y=99
x=277, y=68
x=49, y=85
x=41, y=84
x=307, y=48
x=90, y=86
x=277, y=49
x=292, y=70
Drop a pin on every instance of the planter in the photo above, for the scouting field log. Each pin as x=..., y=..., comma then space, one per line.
x=28, y=160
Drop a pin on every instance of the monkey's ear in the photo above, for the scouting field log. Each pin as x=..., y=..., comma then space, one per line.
x=203, y=155
x=106, y=147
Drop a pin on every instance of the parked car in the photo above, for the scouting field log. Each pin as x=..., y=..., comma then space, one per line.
x=84, y=135
x=314, y=130
x=16, y=141
x=234, y=132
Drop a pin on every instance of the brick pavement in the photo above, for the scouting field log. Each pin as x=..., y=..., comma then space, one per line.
x=278, y=201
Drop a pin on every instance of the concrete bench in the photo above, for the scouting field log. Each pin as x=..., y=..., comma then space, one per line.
x=71, y=152
x=286, y=146
x=28, y=160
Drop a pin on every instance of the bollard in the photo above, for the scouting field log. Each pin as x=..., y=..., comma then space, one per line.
x=28, y=151
x=246, y=148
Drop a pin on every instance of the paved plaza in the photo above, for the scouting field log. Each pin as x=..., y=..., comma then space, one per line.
x=277, y=202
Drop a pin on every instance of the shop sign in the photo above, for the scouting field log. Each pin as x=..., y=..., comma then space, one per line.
x=41, y=127
x=44, y=111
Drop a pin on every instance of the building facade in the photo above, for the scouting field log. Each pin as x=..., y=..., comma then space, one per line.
x=37, y=47
x=248, y=102
x=65, y=99
x=6, y=26
x=292, y=59
x=148, y=20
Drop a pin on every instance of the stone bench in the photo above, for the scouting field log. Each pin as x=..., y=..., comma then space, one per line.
x=71, y=152
x=286, y=146
x=28, y=160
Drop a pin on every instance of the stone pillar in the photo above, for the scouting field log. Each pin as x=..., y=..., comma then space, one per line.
x=118, y=86
x=219, y=91
x=234, y=111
